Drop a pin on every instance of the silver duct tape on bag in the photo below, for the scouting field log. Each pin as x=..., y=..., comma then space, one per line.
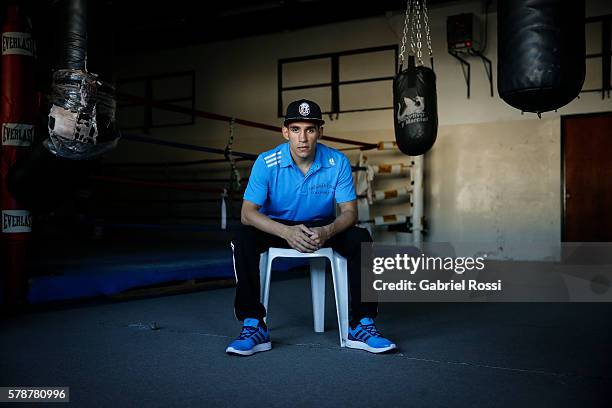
x=82, y=117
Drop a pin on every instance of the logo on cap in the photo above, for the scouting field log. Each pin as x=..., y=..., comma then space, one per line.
x=304, y=109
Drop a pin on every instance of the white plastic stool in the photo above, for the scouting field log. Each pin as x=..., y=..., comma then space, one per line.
x=317, y=283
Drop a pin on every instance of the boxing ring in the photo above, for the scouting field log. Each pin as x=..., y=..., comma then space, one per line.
x=197, y=249
x=102, y=245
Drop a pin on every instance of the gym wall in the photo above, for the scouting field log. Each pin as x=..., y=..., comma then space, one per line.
x=493, y=175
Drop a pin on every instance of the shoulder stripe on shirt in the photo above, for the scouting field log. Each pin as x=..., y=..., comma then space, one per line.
x=272, y=156
x=273, y=159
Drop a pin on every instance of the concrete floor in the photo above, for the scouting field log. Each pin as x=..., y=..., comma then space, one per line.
x=450, y=355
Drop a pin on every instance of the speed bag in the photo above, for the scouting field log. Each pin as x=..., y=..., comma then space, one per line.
x=415, y=109
x=541, y=64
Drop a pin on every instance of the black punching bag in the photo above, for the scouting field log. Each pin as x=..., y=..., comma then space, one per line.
x=81, y=124
x=541, y=53
x=415, y=108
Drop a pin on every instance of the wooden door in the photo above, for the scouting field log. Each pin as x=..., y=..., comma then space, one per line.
x=587, y=177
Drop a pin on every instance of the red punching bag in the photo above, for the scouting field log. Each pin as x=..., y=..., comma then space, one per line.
x=17, y=118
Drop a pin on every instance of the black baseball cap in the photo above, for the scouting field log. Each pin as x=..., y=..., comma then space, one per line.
x=303, y=110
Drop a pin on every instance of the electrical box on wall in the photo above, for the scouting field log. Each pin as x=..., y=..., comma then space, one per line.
x=463, y=32
x=466, y=37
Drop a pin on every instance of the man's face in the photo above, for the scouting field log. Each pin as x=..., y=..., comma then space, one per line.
x=302, y=137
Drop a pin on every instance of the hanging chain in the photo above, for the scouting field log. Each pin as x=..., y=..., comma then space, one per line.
x=405, y=33
x=412, y=26
x=408, y=20
x=230, y=140
x=427, y=32
x=234, y=174
x=413, y=17
x=419, y=44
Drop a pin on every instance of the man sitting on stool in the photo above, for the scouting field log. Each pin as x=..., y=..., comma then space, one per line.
x=289, y=202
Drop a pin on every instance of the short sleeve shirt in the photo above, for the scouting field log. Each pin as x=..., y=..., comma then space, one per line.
x=284, y=192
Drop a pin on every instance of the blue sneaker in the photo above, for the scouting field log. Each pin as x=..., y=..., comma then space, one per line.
x=365, y=336
x=253, y=339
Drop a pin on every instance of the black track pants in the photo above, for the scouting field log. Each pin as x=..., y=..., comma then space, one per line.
x=248, y=243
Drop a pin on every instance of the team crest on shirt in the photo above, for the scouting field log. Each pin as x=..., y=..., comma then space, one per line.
x=321, y=189
x=332, y=162
x=304, y=109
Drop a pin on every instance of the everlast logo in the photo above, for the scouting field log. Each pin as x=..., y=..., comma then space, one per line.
x=15, y=134
x=16, y=221
x=18, y=43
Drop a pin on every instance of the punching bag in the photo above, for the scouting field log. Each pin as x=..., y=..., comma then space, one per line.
x=81, y=120
x=18, y=118
x=415, y=108
x=82, y=114
x=541, y=53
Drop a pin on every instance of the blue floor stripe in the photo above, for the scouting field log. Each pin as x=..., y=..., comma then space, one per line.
x=106, y=274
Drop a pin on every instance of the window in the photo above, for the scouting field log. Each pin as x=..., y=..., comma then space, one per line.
x=347, y=81
x=176, y=88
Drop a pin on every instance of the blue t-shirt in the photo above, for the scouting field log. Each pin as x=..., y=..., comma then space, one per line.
x=284, y=192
